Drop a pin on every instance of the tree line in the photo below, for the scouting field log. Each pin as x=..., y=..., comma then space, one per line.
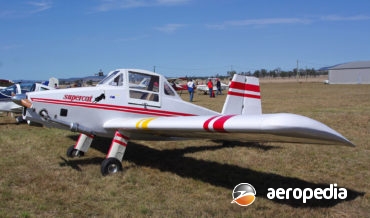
x=263, y=73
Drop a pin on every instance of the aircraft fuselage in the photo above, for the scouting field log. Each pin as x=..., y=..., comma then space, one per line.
x=147, y=95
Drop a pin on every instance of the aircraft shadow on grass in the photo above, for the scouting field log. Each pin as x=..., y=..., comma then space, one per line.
x=217, y=174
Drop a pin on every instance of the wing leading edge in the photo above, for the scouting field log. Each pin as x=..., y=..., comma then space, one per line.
x=282, y=127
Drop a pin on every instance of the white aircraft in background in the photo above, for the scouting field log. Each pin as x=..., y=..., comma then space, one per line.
x=204, y=87
x=123, y=107
x=6, y=94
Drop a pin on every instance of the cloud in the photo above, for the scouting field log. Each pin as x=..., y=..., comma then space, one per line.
x=22, y=10
x=171, y=2
x=343, y=18
x=170, y=28
x=108, y=5
x=263, y=21
x=280, y=21
x=267, y=21
x=40, y=6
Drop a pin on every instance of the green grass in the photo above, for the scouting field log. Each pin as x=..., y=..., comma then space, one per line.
x=194, y=178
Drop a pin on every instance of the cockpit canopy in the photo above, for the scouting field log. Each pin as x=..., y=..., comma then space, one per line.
x=142, y=84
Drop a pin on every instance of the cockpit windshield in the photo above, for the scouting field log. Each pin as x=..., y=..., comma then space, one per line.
x=109, y=77
x=9, y=91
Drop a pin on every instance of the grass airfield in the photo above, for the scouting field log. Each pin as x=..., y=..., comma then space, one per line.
x=195, y=178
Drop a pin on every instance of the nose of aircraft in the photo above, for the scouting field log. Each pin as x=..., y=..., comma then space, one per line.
x=18, y=98
x=21, y=99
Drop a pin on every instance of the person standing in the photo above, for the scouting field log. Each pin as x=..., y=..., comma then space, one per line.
x=210, y=88
x=218, y=85
x=191, y=87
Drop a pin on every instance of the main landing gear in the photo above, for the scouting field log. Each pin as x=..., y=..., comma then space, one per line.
x=112, y=163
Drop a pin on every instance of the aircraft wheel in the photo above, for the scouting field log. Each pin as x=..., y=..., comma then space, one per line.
x=72, y=152
x=110, y=166
x=19, y=120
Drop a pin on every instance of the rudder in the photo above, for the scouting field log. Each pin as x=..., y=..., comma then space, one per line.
x=243, y=96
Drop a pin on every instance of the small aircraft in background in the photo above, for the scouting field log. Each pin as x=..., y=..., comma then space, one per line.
x=123, y=107
x=6, y=94
x=179, y=84
x=5, y=83
x=204, y=87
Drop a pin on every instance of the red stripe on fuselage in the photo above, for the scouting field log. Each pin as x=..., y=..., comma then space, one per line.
x=111, y=107
x=218, y=125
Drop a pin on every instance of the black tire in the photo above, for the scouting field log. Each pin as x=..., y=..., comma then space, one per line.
x=72, y=152
x=111, y=166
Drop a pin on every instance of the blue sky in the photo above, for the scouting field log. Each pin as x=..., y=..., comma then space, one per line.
x=69, y=38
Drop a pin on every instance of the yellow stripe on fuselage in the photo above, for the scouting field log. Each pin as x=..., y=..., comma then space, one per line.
x=138, y=124
x=143, y=123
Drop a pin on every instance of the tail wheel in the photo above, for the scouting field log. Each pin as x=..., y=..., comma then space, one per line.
x=110, y=166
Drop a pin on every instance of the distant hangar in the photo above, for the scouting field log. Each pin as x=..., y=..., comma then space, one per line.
x=350, y=73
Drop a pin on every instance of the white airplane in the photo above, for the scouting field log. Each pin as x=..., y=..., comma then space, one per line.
x=120, y=107
x=204, y=87
x=6, y=94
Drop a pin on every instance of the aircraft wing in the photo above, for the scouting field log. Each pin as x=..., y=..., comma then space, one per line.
x=202, y=87
x=7, y=105
x=281, y=127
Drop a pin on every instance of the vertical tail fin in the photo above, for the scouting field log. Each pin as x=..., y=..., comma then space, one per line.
x=243, y=96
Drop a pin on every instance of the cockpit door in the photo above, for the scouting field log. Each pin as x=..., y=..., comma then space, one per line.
x=144, y=89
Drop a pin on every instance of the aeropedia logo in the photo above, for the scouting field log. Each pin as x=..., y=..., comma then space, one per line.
x=244, y=193
x=332, y=192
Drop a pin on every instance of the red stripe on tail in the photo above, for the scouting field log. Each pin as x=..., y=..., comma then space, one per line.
x=244, y=86
x=243, y=95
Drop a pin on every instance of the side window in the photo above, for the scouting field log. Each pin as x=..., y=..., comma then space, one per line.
x=168, y=90
x=108, y=78
x=33, y=88
x=144, y=86
x=118, y=81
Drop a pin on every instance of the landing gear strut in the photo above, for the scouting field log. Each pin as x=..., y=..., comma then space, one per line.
x=112, y=163
x=82, y=145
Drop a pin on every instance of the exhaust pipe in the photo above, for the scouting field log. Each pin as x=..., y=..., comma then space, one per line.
x=75, y=127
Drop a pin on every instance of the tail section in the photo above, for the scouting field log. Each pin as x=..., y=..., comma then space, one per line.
x=243, y=97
